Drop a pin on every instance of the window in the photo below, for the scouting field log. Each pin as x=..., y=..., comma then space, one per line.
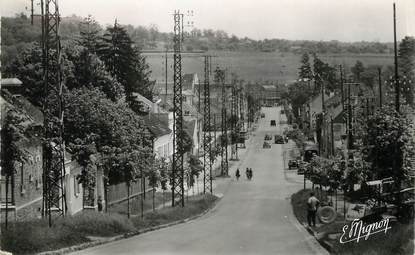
x=165, y=150
x=76, y=186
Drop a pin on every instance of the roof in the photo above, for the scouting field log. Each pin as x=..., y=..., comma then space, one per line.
x=142, y=99
x=187, y=80
x=156, y=126
x=189, y=127
x=11, y=82
x=269, y=87
x=34, y=114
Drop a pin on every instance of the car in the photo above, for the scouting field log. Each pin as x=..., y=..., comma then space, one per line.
x=273, y=123
x=292, y=163
x=267, y=137
x=266, y=145
x=262, y=115
x=278, y=139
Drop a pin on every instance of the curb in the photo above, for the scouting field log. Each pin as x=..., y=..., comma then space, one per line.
x=129, y=234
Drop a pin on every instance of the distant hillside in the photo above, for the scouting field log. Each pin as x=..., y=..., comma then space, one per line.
x=17, y=31
x=258, y=66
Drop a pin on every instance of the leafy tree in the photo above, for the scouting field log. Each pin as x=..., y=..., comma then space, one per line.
x=28, y=68
x=12, y=132
x=305, y=68
x=93, y=118
x=357, y=70
x=407, y=67
x=90, y=72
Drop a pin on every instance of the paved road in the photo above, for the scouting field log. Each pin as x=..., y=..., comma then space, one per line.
x=253, y=217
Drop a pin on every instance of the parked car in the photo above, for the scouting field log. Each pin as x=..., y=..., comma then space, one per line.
x=266, y=145
x=268, y=137
x=292, y=163
x=278, y=139
x=262, y=115
x=273, y=123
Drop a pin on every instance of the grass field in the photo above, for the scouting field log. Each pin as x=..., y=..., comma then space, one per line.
x=255, y=66
x=35, y=236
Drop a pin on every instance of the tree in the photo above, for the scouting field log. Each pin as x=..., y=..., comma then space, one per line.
x=357, y=70
x=125, y=63
x=12, y=132
x=89, y=71
x=386, y=133
x=95, y=119
x=407, y=67
x=89, y=31
x=28, y=68
x=305, y=68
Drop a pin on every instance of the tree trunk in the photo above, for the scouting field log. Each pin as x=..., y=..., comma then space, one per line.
x=154, y=193
x=7, y=202
x=128, y=200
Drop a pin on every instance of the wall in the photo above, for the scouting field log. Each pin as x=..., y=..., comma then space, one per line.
x=74, y=190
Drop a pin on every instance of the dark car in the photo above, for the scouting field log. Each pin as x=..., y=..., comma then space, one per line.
x=278, y=139
x=266, y=145
x=267, y=137
x=262, y=115
x=273, y=123
x=292, y=163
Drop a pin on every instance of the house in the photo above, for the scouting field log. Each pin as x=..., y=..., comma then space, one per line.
x=149, y=106
x=160, y=127
x=25, y=196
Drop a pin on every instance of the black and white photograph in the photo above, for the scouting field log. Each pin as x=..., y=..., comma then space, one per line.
x=207, y=127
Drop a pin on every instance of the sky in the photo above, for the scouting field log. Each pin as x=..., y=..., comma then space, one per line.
x=342, y=20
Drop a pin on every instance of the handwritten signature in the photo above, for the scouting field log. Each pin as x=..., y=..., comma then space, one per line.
x=357, y=230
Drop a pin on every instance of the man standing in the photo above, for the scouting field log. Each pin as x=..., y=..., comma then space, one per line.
x=312, y=204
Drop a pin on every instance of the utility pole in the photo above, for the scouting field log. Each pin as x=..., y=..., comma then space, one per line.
x=349, y=111
x=380, y=86
x=207, y=137
x=341, y=85
x=177, y=166
x=220, y=80
x=54, y=192
x=32, y=12
x=397, y=92
x=166, y=66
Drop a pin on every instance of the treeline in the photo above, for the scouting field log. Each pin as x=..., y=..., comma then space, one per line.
x=17, y=31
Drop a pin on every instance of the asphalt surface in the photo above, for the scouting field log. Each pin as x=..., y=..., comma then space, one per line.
x=253, y=217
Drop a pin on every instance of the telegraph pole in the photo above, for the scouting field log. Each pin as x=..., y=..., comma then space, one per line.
x=380, y=86
x=397, y=92
x=341, y=84
x=54, y=192
x=177, y=167
x=220, y=80
x=207, y=137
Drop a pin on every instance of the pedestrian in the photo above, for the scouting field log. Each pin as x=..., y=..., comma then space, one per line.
x=237, y=174
x=312, y=204
x=247, y=173
x=250, y=173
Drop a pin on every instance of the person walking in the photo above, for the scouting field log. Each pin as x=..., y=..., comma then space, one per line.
x=247, y=173
x=250, y=173
x=312, y=204
x=237, y=174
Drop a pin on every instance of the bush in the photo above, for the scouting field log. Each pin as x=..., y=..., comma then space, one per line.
x=36, y=236
x=194, y=206
x=99, y=224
